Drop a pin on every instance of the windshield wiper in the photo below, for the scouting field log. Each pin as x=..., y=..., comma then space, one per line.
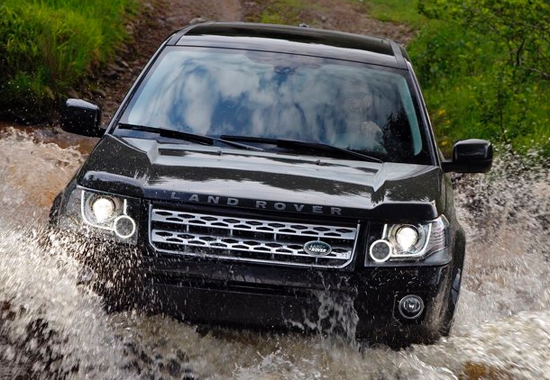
x=187, y=136
x=303, y=145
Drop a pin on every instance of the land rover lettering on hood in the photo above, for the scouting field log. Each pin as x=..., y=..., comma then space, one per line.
x=275, y=177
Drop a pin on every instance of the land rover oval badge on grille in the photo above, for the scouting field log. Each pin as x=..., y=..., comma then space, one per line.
x=319, y=248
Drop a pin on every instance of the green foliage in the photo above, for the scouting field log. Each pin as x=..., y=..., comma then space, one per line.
x=519, y=27
x=485, y=67
x=48, y=46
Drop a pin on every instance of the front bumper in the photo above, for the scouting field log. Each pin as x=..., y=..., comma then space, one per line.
x=363, y=303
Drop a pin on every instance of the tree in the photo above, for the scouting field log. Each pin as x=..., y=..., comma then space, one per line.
x=521, y=27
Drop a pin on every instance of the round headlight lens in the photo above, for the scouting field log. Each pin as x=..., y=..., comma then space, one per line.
x=103, y=209
x=406, y=237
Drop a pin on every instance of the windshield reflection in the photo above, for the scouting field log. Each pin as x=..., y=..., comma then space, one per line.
x=234, y=92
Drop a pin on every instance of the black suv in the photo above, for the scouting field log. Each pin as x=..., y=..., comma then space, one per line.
x=274, y=176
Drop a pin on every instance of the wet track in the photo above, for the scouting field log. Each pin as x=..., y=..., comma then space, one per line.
x=52, y=328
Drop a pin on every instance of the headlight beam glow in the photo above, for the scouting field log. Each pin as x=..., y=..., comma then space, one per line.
x=406, y=237
x=103, y=209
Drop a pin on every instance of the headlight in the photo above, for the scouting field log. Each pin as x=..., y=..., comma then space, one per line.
x=100, y=210
x=103, y=208
x=407, y=237
x=410, y=241
x=105, y=215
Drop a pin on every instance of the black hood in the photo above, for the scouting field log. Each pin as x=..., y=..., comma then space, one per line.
x=260, y=180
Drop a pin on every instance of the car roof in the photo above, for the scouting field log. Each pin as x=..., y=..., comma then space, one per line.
x=293, y=39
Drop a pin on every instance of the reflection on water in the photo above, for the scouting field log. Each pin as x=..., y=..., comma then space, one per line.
x=52, y=328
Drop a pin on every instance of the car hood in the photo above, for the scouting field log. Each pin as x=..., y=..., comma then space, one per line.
x=263, y=181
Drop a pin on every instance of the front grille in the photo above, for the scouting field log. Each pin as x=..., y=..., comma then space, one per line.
x=250, y=240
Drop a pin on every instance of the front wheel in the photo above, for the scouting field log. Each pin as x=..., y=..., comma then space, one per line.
x=452, y=301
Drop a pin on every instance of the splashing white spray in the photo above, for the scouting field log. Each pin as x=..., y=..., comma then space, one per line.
x=55, y=328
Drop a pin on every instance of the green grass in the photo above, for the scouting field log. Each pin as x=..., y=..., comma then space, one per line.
x=397, y=11
x=289, y=11
x=283, y=12
x=48, y=46
x=286, y=12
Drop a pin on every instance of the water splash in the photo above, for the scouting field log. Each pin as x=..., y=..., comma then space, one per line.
x=50, y=327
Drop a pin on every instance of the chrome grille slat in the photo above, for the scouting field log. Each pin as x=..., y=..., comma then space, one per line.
x=251, y=240
x=251, y=225
x=242, y=245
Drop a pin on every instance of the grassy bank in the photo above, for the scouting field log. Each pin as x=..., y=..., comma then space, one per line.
x=481, y=65
x=49, y=46
x=485, y=70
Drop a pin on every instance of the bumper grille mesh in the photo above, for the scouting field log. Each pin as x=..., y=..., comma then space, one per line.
x=251, y=240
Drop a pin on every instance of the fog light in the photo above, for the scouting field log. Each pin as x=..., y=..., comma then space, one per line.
x=380, y=251
x=124, y=226
x=411, y=306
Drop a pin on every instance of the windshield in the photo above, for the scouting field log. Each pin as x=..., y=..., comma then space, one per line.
x=218, y=92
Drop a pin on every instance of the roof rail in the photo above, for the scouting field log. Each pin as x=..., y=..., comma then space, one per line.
x=398, y=53
x=306, y=34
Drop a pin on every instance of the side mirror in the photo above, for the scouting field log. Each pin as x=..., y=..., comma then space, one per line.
x=82, y=118
x=470, y=156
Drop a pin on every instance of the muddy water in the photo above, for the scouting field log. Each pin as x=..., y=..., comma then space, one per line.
x=52, y=328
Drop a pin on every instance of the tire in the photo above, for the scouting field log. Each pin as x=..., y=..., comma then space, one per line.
x=452, y=301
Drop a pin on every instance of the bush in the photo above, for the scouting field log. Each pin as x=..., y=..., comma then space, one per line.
x=49, y=46
x=485, y=66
